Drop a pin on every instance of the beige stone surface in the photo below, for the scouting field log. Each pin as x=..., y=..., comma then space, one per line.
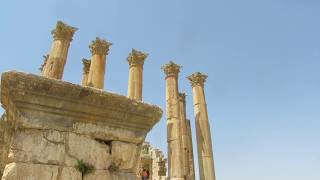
x=69, y=173
x=100, y=131
x=136, y=60
x=23, y=171
x=175, y=158
x=125, y=155
x=99, y=175
x=34, y=147
x=91, y=151
x=6, y=133
x=54, y=124
x=204, y=142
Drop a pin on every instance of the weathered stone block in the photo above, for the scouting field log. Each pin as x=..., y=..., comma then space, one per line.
x=27, y=171
x=89, y=150
x=54, y=136
x=32, y=146
x=69, y=173
x=97, y=175
x=124, y=155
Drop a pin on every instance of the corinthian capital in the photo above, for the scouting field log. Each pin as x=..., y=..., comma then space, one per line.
x=100, y=46
x=63, y=31
x=86, y=65
x=136, y=58
x=171, y=69
x=197, y=79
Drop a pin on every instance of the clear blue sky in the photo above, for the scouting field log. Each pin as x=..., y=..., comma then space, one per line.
x=262, y=59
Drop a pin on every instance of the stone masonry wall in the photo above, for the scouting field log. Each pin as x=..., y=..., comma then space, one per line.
x=56, y=153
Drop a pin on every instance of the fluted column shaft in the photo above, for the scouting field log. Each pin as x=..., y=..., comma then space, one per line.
x=86, y=67
x=99, y=49
x=184, y=134
x=175, y=163
x=54, y=65
x=204, y=143
x=190, y=153
x=136, y=60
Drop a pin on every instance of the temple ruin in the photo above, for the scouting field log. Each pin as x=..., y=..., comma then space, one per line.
x=56, y=130
x=154, y=161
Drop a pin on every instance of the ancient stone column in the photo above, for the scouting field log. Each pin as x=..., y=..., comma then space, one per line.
x=190, y=153
x=56, y=61
x=184, y=134
x=136, y=60
x=99, y=49
x=205, y=155
x=175, y=163
x=86, y=67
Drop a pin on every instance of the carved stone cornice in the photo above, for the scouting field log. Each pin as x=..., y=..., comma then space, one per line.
x=136, y=58
x=46, y=103
x=197, y=79
x=86, y=65
x=171, y=69
x=100, y=46
x=63, y=31
x=182, y=97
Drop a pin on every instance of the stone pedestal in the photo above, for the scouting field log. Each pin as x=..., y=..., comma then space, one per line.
x=136, y=60
x=86, y=67
x=50, y=125
x=205, y=155
x=54, y=65
x=99, y=49
x=175, y=162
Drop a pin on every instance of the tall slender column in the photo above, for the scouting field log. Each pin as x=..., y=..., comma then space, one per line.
x=56, y=61
x=136, y=60
x=190, y=153
x=99, y=49
x=173, y=123
x=205, y=155
x=86, y=67
x=184, y=134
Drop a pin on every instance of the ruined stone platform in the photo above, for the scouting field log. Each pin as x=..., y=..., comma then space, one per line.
x=50, y=124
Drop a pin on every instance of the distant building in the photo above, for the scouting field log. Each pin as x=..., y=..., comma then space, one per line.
x=153, y=160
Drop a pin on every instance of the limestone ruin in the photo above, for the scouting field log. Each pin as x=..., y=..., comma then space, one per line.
x=55, y=130
x=152, y=160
